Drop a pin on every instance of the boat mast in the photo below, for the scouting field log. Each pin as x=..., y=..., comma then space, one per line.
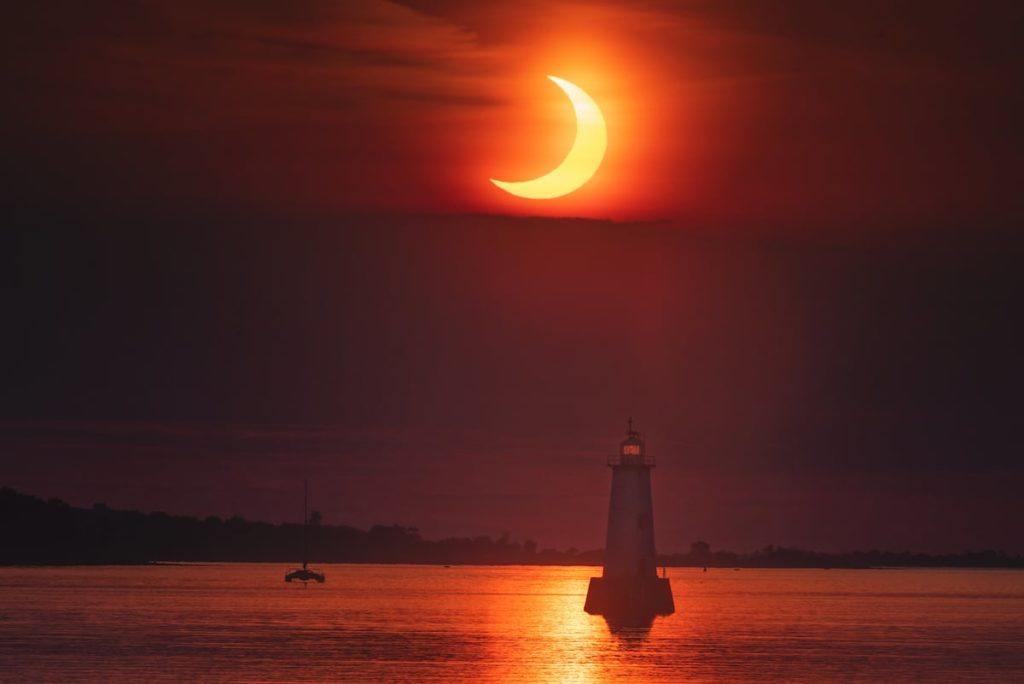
x=305, y=523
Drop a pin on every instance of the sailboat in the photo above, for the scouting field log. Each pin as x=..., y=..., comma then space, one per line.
x=305, y=573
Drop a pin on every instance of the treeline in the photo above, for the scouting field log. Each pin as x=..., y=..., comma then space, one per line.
x=701, y=554
x=34, y=531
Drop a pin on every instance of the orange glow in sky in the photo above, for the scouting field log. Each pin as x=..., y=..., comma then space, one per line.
x=650, y=115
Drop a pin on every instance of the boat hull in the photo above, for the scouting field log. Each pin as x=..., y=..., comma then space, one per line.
x=305, y=575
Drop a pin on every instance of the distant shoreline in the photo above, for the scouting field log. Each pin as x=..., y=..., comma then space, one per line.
x=34, y=532
x=159, y=563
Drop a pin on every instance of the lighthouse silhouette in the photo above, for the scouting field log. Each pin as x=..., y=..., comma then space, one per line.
x=629, y=585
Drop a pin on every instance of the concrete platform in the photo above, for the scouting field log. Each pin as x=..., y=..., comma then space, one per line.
x=629, y=596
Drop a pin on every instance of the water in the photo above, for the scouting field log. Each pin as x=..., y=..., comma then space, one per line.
x=504, y=624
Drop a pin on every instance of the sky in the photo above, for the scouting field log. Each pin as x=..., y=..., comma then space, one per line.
x=249, y=243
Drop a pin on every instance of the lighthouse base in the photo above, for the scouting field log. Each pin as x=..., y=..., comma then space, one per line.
x=629, y=596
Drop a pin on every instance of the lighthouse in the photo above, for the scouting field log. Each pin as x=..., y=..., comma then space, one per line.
x=629, y=585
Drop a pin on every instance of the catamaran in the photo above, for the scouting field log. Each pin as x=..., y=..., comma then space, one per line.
x=305, y=573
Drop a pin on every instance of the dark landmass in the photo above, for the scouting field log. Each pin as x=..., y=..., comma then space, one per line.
x=34, y=531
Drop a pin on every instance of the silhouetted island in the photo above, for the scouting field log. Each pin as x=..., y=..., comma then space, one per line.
x=34, y=531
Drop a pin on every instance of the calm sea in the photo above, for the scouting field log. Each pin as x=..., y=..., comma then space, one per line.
x=242, y=623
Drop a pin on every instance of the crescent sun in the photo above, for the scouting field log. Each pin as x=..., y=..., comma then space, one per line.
x=583, y=159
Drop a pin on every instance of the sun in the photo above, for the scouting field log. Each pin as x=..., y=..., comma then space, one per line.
x=584, y=157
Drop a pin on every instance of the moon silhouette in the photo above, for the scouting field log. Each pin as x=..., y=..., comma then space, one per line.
x=583, y=159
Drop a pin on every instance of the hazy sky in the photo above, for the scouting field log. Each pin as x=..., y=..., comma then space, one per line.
x=251, y=242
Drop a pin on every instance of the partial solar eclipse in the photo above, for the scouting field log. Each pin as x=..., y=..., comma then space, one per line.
x=583, y=159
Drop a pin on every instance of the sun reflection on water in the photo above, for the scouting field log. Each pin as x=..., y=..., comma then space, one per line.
x=542, y=634
x=546, y=634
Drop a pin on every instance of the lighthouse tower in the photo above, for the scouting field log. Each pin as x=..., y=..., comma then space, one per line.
x=629, y=585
